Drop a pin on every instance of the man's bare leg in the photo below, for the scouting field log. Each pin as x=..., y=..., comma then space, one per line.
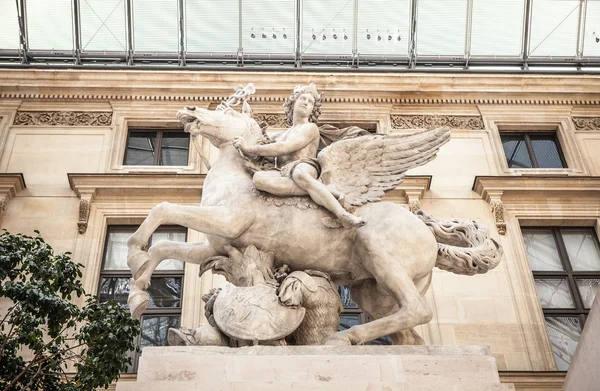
x=305, y=177
x=273, y=183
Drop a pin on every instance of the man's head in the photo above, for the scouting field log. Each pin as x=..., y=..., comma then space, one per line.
x=297, y=93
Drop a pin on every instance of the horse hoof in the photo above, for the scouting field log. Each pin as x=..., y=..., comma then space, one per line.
x=138, y=262
x=341, y=338
x=138, y=302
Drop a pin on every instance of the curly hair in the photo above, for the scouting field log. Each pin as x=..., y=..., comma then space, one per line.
x=299, y=90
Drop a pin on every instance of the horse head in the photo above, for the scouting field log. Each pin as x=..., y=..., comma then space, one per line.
x=220, y=127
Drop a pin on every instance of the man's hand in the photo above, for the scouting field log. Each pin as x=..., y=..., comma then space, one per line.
x=241, y=144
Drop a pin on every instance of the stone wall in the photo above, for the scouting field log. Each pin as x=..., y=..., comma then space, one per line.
x=54, y=123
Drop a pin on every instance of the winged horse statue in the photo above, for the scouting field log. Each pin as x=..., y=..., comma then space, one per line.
x=387, y=263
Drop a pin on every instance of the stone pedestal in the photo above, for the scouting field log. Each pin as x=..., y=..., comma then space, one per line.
x=347, y=368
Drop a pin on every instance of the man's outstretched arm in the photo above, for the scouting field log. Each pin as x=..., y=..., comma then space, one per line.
x=306, y=134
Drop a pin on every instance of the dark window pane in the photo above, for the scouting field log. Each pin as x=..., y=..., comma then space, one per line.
x=381, y=341
x=583, y=250
x=554, y=293
x=541, y=250
x=115, y=288
x=348, y=320
x=546, y=151
x=347, y=301
x=174, y=149
x=141, y=147
x=564, y=333
x=588, y=290
x=155, y=328
x=515, y=151
x=165, y=292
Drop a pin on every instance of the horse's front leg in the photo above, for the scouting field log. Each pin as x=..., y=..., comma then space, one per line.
x=164, y=249
x=212, y=220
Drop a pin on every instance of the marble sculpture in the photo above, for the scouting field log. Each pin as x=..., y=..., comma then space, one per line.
x=286, y=224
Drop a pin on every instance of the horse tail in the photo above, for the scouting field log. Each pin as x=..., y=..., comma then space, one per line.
x=464, y=247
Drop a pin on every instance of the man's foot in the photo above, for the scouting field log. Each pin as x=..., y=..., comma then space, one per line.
x=348, y=220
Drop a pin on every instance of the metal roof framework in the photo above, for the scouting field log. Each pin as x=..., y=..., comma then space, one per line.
x=524, y=35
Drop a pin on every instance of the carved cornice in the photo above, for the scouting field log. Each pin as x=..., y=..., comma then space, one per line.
x=10, y=185
x=586, y=123
x=410, y=191
x=281, y=99
x=500, y=191
x=63, y=118
x=344, y=87
x=273, y=120
x=529, y=380
x=434, y=121
x=121, y=188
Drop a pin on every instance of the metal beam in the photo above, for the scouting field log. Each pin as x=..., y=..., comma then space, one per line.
x=129, y=15
x=23, y=41
x=240, y=51
x=581, y=28
x=76, y=33
x=181, y=34
x=526, y=32
x=298, y=52
x=412, y=45
x=468, y=32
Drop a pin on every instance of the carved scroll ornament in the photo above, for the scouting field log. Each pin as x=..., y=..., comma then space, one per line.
x=497, y=208
x=434, y=121
x=63, y=118
x=586, y=123
x=85, y=204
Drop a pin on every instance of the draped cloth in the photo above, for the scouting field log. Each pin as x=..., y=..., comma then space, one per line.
x=331, y=134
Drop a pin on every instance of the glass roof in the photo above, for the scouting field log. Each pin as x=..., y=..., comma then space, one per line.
x=302, y=33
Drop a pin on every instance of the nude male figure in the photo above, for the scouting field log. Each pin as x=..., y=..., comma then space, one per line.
x=295, y=150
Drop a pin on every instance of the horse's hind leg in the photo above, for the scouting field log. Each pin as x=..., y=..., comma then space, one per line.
x=378, y=304
x=412, y=309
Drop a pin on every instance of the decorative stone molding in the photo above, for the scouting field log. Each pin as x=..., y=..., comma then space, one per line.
x=274, y=120
x=528, y=380
x=100, y=187
x=586, y=123
x=10, y=185
x=63, y=118
x=410, y=191
x=434, y=121
x=84, y=211
x=499, y=190
x=498, y=211
x=219, y=98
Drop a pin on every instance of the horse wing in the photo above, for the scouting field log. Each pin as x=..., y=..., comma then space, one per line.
x=364, y=168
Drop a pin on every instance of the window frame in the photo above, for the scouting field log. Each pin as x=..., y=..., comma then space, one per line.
x=568, y=274
x=530, y=150
x=158, y=148
x=534, y=118
x=125, y=273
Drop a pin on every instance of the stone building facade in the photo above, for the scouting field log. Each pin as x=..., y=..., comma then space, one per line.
x=65, y=136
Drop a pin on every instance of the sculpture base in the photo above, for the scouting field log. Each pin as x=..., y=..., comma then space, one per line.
x=346, y=368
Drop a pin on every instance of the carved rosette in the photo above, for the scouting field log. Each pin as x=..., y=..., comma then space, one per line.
x=435, y=121
x=497, y=208
x=63, y=118
x=273, y=120
x=586, y=123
